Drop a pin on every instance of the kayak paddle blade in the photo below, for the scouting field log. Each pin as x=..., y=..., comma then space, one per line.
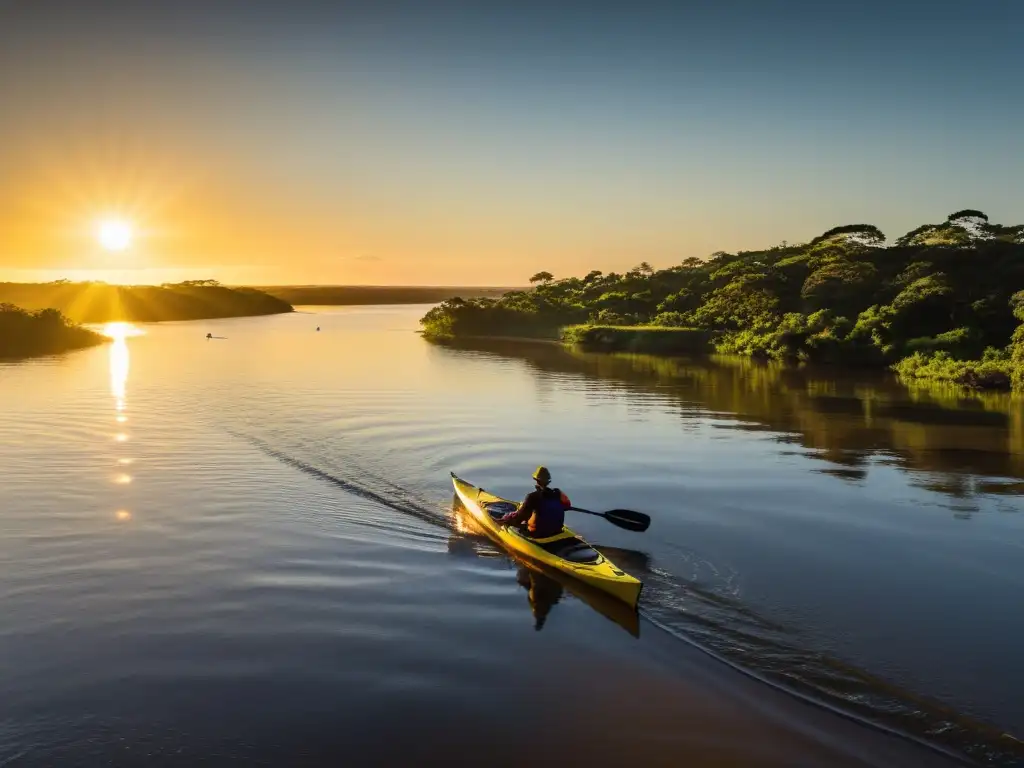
x=628, y=519
x=624, y=518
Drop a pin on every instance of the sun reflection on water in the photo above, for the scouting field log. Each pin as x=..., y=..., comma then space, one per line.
x=120, y=365
x=119, y=359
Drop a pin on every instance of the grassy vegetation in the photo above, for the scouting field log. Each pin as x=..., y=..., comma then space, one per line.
x=993, y=371
x=45, y=332
x=101, y=303
x=930, y=304
x=373, y=294
x=642, y=339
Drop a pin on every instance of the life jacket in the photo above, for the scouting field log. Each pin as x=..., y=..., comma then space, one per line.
x=550, y=515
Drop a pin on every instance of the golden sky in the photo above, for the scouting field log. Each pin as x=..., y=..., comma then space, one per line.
x=202, y=208
x=269, y=142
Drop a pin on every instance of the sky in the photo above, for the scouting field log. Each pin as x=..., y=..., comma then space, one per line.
x=457, y=143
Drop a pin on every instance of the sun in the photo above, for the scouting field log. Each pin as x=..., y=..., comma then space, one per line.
x=114, y=234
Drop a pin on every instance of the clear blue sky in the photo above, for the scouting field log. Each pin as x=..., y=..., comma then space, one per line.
x=471, y=142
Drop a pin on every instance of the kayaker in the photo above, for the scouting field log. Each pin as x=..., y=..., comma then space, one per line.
x=542, y=512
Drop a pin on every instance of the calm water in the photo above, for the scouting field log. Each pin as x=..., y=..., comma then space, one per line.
x=245, y=550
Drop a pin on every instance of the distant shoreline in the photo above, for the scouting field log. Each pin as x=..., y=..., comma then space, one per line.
x=103, y=303
x=355, y=295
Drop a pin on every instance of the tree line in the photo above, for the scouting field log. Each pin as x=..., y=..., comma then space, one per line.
x=942, y=301
x=97, y=302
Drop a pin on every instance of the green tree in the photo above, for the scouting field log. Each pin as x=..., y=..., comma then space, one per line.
x=839, y=284
x=542, y=277
x=863, y=234
x=968, y=215
x=918, y=236
x=1016, y=346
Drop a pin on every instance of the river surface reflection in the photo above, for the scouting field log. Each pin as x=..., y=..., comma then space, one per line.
x=243, y=549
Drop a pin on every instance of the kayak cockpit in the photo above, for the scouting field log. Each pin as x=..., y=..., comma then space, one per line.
x=497, y=509
x=569, y=547
x=565, y=545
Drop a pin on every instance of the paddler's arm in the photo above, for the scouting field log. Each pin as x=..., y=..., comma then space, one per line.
x=522, y=514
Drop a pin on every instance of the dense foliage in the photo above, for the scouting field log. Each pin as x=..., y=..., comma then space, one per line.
x=46, y=332
x=100, y=303
x=938, y=302
x=642, y=339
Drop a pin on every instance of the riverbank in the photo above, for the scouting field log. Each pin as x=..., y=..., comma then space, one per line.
x=650, y=340
x=994, y=371
x=1000, y=372
x=103, y=303
x=45, y=332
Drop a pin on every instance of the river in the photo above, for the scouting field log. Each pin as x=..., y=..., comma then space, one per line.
x=244, y=550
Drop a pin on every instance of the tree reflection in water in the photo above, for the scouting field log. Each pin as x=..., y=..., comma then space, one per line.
x=950, y=440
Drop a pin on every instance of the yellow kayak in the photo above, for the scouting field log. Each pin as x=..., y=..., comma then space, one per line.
x=567, y=552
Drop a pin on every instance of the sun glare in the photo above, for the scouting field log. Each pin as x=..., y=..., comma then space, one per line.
x=119, y=331
x=114, y=234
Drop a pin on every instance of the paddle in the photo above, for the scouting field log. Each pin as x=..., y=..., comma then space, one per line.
x=624, y=518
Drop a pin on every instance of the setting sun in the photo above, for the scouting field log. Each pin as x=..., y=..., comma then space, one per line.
x=114, y=234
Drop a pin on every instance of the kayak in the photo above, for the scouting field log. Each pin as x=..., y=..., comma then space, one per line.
x=566, y=552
